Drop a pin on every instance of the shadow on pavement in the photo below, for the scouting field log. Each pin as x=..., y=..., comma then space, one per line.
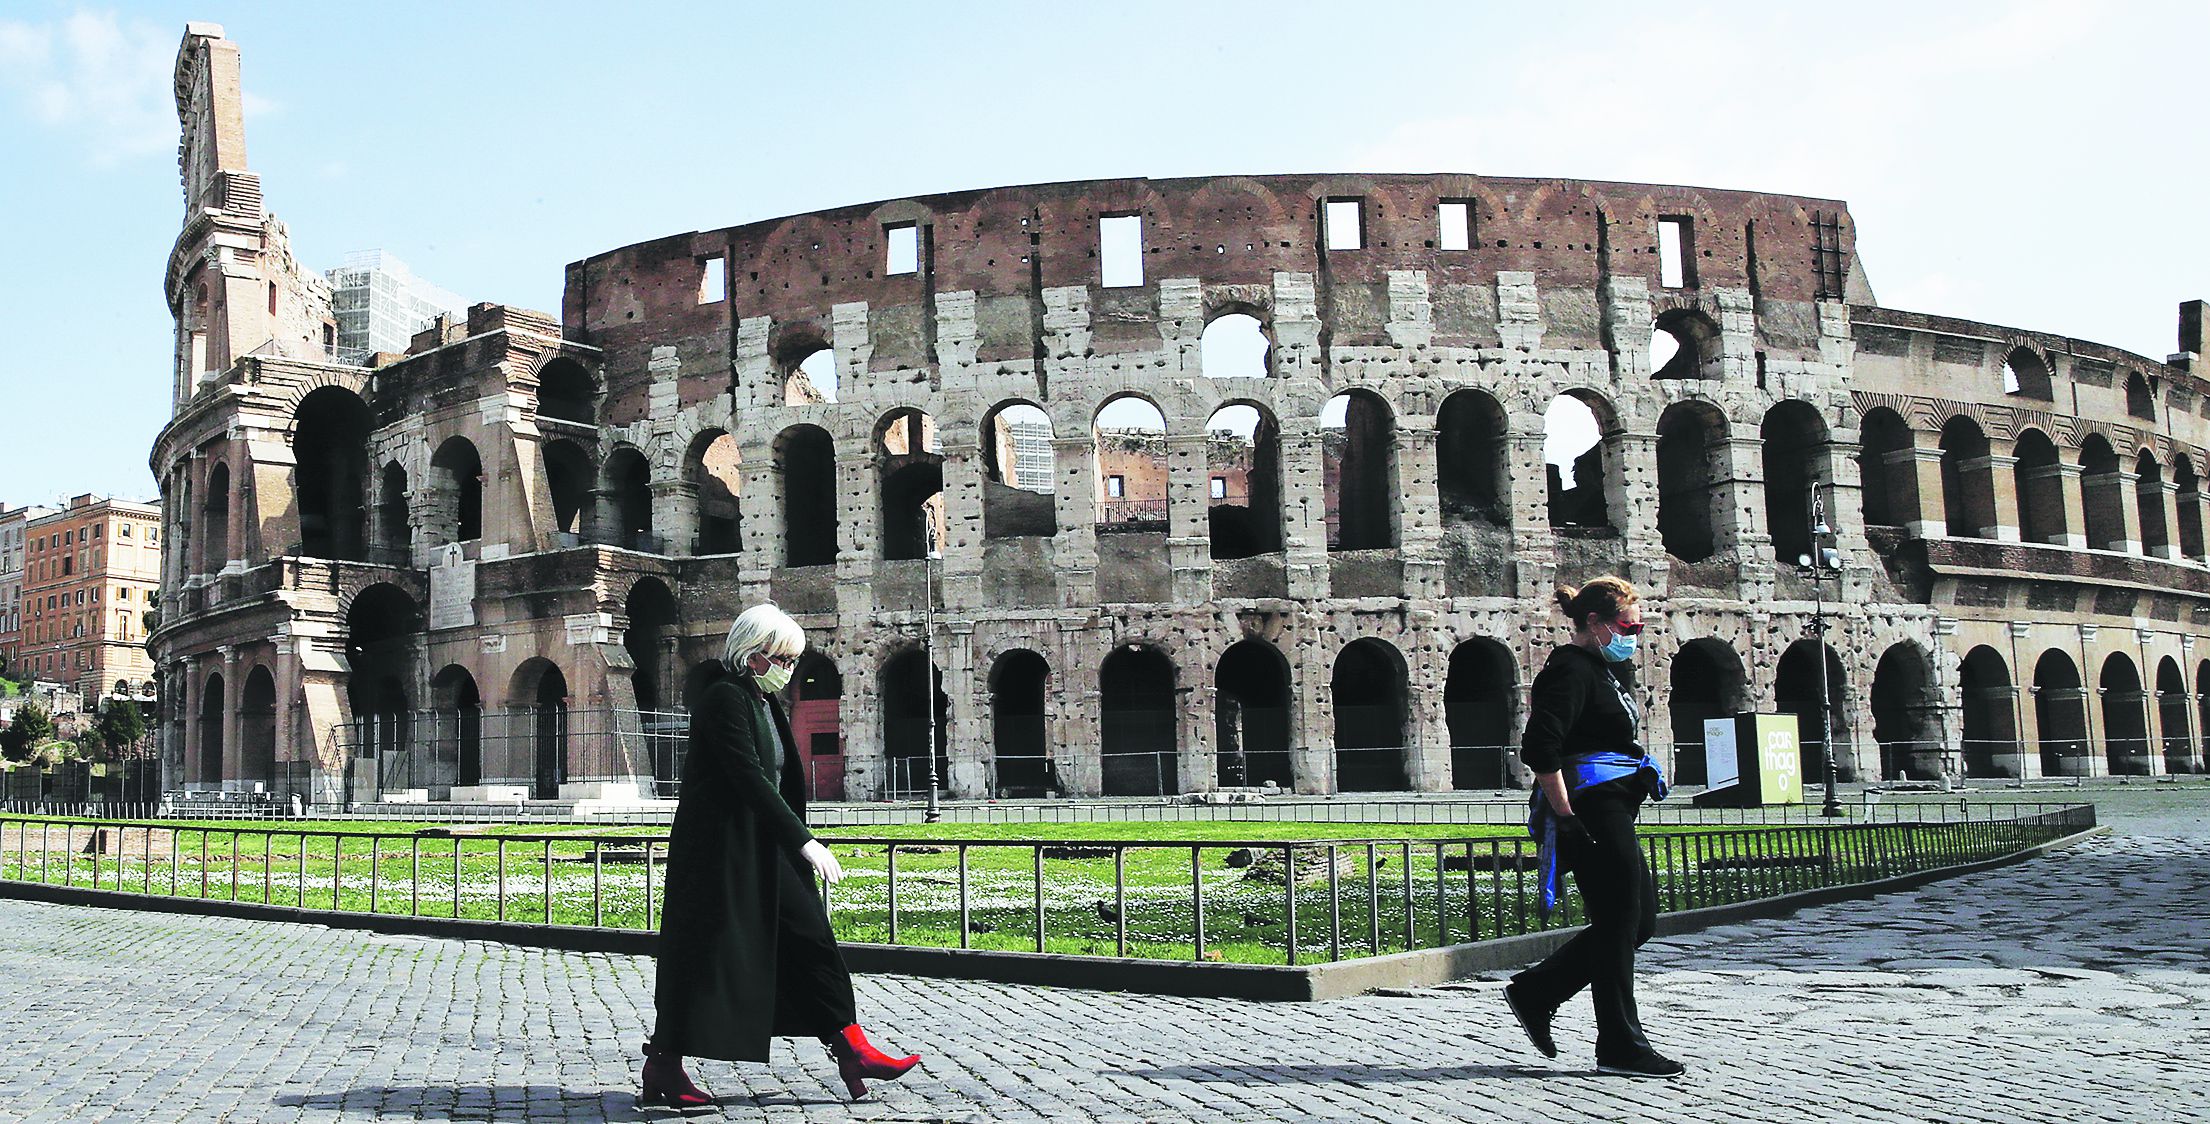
x=1327, y=1074
x=512, y=1102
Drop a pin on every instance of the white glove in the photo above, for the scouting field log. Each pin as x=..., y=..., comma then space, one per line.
x=823, y=862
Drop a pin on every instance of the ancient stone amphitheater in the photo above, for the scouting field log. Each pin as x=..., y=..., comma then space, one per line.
x=1178, y=484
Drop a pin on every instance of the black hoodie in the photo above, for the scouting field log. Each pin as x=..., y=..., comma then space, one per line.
x=1574, y=710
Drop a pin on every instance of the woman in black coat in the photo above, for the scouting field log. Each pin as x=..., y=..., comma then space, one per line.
x=1584, y=743
x=746, y=952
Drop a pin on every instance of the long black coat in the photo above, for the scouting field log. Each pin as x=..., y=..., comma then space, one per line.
x=733, y=823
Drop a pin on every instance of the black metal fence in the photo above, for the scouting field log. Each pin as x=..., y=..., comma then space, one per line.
x=1265, y=901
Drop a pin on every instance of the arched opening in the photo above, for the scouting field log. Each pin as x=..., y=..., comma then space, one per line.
x=809, y=371
x=906, y=686
x=1138, y=734
x=1358, y=465
x=805, y=465
x=215, y=521
x=1691, y=463
x=567, y=393
x=1472, y=474
x=1706, y=682
x=459, y=717
x=1020, y=463
x=714, y=471
x=2188, y=488
x=568, y=476
x=2171, y=716
x=1574, y=450
x=2125, y=717
x=1990, y=717
x=211, y=730
x=383, y=627
x=1243, y=482
x=650, y=641
x=1967, y=480
x=2148, y=492
x=2202, y=714
x=1794, y=446
x=1888, y=482
x=2060, y=715
x=1369, y=696
x=816, y=720
x=2102, y=494
x=1903, y=708
x=1684, y=344
x=1234, y=346
x=910, y=468
x=1019, y=741
x=2025, y=373
x=1251, y=716
x=539, y=702
x=257, y=727
x=629, y=490
x=394, y=532
x=330, y=447
x=458, y=471
x=2140, y=397
x=1478, y=700
x=2040, y=488
x=1131, y=466
x=1796, y=691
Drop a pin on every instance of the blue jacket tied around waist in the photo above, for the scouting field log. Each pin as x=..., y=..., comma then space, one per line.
x=1582, y=771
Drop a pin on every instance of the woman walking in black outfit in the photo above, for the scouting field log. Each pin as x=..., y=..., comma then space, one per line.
x=746, y=952
x=1584, y=744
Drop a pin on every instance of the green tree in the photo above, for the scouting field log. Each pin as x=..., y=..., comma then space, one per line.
x=122, y=726
x=30, y=728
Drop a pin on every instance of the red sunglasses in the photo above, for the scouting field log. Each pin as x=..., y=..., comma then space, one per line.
x=1625, y=629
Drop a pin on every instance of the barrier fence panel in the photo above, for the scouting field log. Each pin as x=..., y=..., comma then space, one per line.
x=1247, y=901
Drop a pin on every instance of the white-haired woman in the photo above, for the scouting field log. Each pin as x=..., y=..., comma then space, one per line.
x=746, y=952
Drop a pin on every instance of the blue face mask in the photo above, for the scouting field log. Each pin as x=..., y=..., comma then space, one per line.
x=1621, y=648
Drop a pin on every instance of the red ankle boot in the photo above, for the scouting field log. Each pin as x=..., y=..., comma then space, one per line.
x=857, y=1058
x=666, y=1084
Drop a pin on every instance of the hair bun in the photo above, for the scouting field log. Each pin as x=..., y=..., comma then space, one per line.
x=1564, y=595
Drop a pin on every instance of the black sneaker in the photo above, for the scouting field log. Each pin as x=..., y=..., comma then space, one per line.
x=1648, y=1063
x=1535, y=1023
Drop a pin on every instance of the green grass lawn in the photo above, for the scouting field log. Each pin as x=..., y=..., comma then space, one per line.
x=1430, y=884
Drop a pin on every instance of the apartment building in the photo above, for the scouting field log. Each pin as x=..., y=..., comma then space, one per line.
x=90, y=575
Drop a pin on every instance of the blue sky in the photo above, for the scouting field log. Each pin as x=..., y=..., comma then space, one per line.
x=2033, y=164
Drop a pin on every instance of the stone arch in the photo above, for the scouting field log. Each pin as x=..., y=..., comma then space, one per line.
x=457, y=709
x=1582, y=434
x=627, y=481
x=1990, y=717
x=538, y=704
x=383, y=634
x=1359, y=471
x=458, y=471
x=1793, y=439
x=816, y=720
x=1139, y=719
x=1685, y=344
x=2060, y=715
x=807, y=365
x=905, y=683
x=2140, y=397
x=214, y=537
x=257, y=726
x=805, y=470
x=2039, y=482
x=211, y=729
x=713, y=467
x=1235, y=344
x=1967, y=480
x=909, y=466
x=1243, y=481
x=569, y=474
x=566, y=392
x=1131, y=459
x=1887, y=478
x=330, y=431
x=1020, y=471
x=2148, y=493
x=1480, y=698
x=1370, y=695
x=1253, y=716
x=2187, y=488
x=2102, y=494
x=1692, y=468
x=2172, y=716
x=1796, y=691
x=1905, y=708
x=654, y=627
x=1707, y=681
x=2125, y=716
x=1020, y=683
x=1473, y=472
x=394, y=528
x=2026, y=372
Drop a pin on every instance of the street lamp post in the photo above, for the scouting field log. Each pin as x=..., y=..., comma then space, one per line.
x=1823, y=562
x=928, y=655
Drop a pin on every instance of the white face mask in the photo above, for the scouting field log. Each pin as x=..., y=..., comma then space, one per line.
x=774, y=679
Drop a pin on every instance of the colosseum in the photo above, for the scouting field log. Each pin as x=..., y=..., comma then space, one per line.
x=1132, y=487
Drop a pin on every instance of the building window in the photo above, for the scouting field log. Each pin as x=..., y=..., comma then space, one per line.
x=1116, y=487
x=1455, y=226
x=1120, y=251
x=1220, y=487
x=713, y=281
x=122, y=530
x=1676, y=239
x=1345, y=224
x=96, y=528
x=904, y=254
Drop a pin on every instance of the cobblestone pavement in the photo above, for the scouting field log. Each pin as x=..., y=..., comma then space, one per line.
x=2071, y=988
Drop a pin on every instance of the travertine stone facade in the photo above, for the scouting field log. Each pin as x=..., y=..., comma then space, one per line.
x=524, y=517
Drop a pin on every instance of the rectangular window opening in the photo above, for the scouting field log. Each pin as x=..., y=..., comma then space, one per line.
x=1456, y=225
x=713, y=281
x=1676, y=251
x=1345, y=224
x=1120, y=250
x=1116, y=487
x=905, y=249
x=1220, y=487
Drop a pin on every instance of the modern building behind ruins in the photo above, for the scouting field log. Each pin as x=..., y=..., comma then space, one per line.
x=503, y=560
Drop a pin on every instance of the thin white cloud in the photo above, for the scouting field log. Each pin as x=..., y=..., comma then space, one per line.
x=93, y=75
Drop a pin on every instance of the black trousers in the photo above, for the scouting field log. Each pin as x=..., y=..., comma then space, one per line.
x=1620, y=899
x=813, y=989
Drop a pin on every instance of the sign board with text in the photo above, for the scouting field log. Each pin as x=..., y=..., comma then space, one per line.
x=1752, y=759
